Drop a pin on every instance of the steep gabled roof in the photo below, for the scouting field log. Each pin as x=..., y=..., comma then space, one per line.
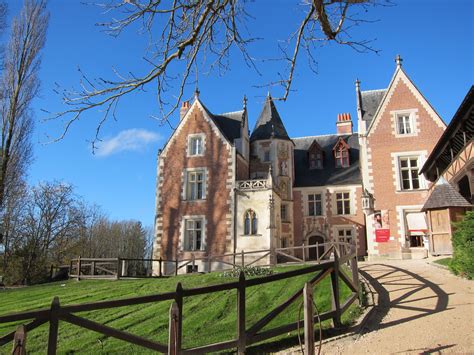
x=329, y=174
x=341, y=141
x=397, y=76
x=228, y=123
x=444, y=195
x=269, y=124
x=370, y=101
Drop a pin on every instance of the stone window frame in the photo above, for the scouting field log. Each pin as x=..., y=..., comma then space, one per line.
x=185, y=183
x=305, y=196
x=182, y=240
x=413, y=117
x=396, y=167
x=351, y=203
x=314, y=203
x=189, y=142
x=252, y=218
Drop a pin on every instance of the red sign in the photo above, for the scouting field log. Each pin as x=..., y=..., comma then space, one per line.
x=382, y=235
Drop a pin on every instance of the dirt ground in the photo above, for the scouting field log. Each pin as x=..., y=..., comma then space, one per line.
x=419, y=308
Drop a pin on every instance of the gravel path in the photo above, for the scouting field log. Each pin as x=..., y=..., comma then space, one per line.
x=420, y=309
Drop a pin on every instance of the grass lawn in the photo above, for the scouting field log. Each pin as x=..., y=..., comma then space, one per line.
x=206, y=319
x=444, y=261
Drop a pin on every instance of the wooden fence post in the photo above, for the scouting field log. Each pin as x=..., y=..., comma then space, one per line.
x=118, y=269
x=317, y=253
x=70, y=268
x=241, y=335
x=53, y=327
x=124, y=268
x=93, y=268
x=336, y=305
x=179, y=325
x=160, y=271
x=176, y=267
x=355, y=274
x=243, y=258
x=193, y=258
x=173, y=330
x=304, y=253
x=19, y=341
x=308, y=319
x=78, y=268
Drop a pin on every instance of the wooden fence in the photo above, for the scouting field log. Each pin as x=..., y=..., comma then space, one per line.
x=245, y=335
x=116, y=268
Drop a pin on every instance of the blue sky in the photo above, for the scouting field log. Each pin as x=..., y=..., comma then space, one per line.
x=435, y=39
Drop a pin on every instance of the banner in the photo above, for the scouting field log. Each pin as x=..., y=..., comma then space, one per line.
x=382, y=226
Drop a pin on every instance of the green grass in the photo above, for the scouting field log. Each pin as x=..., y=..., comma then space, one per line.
x=444, y=261
x=206, y=319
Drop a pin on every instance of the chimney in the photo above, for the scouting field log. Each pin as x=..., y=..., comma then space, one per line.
x=183, y=110
x=344, y=123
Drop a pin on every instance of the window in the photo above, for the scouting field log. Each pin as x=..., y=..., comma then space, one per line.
x=343, y=203
x=342, y=157
x=409, y=173
x=316, y=160
x=266, y=155
x=195, y=145
x=193, y=235
x=250, y=223
x=404, y=124
x=283, y=212
x=344, y=235
x=314, y=205
x=195, y=185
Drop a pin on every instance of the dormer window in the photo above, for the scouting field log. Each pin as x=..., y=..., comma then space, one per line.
x=196, y=145
x=341, y=154
x=315, y=156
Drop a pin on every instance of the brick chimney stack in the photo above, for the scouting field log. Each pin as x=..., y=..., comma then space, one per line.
x=183, y=110
x=344, y=123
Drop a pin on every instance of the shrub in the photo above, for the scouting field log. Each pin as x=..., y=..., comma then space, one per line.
x=463, y=247
x=248, y=271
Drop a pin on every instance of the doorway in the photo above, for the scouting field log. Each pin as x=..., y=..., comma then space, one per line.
x=315, y=253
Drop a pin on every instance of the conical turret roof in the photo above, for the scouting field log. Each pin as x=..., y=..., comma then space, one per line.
x=269, y=124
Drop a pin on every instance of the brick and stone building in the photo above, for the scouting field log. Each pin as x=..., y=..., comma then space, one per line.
x=222, y=189
x=398, y=129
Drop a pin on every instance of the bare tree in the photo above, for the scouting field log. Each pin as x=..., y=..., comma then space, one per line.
x=19, y=85
x=190, y=34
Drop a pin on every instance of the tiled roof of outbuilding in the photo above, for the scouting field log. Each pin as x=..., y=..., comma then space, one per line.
x=329, y=174
x=370, y=101
x=444, y=195
x=269, y=124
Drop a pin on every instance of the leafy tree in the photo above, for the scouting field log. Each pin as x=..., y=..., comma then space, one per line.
x=463, y=247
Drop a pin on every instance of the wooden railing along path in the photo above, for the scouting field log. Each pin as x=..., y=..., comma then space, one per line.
x=245, y=335
x=116, y=268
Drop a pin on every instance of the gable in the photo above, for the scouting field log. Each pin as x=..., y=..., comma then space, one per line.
x=400, y=86
x=341, y=144
x=196, y=111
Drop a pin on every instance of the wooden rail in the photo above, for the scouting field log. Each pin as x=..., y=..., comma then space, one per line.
x=245, y=335
x=116, y=268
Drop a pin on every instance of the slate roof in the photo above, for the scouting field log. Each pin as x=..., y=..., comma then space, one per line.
x=329, y=174
x=228, y=123
x=269, y=123
x=444, y=195
x=370, y=101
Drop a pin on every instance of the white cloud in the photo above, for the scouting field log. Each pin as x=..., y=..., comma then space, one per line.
x=129, y=140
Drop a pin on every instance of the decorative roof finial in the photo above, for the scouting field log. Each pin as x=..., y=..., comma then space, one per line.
x=245, y=102
x=398, y=60
x=357, y=84
x=268, y=95
x=196, y=93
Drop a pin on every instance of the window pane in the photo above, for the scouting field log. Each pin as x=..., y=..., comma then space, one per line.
x=199, y=190
x=340, y=232
x=310, y=197
x=254, y=225
x=317, y=197
x=348, y=232
x=318, y=208
x=247, y=225
x=346, y=195
x=311, y=208
x=198, y=240
x=339, y=207
x=406, y=184
x=339, y=196
x=413, y=163
x=404, y=163
x=347, y=207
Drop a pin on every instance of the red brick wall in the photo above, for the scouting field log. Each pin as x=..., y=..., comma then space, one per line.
x=383, y=142
x=216, y=205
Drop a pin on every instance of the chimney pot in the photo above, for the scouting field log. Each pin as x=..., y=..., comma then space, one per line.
x=344, y=123
x=184, y=109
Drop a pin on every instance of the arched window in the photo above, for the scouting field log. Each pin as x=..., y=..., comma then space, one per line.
x=250, y=222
